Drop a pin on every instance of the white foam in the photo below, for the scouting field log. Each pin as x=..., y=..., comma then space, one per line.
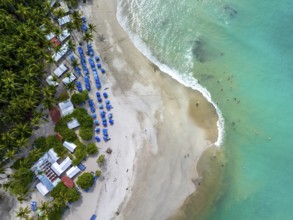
x=187, y=80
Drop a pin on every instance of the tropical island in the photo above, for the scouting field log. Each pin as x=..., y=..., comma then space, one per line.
x=61, y=152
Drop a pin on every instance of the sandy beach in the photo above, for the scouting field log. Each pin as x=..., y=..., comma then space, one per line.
x=158, y=136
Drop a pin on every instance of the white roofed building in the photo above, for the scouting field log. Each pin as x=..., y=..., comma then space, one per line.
x=69, y=146
x=64, y=20
x=72, y=171
x=66, y=107
x=42, y=189
x=60, y=70
x=50, y=36
x=63, y=50
x=64, y=35
x=51, y=82
x=73, y=124
x=61, y=168
x=64, y=6
x=69, y=79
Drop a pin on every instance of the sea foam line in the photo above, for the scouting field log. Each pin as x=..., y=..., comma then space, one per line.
x=187, y=80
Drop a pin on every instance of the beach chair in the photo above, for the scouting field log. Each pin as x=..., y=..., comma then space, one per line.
x=109, y=107
x=93, y=110
x=93, y=217
x=81, y=167
x=98, y=94
x=98, y=130
x=110, y=115
x=72, y=58
x=104, y=123
x=91, y=102
x=101, y=106
x=83, y=19
x=97, y=59
x=106, y=139
x=96, y=122
x=103, y=71
x=105, y=95
x=111, y=122
x=97, y=139
x=84, y=27
x=99, y=66
x=94, y=116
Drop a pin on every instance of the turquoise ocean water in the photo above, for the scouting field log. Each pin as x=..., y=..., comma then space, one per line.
x=241, y=52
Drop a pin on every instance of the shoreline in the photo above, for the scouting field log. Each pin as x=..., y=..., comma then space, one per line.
x=152, y=113
x=139, y=84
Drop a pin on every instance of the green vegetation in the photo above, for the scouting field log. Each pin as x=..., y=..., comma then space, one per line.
x=62, y=128
x=98, y=173
x=79, y=153
x=63, y=195
x=92, y=149
x=22, y=178
x=86, y=125
x=63, y=97
x=86, y=133
x=101, y=159
x=79, y=98
x=85, y=181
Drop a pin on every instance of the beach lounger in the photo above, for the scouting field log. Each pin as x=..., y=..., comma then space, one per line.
x=100, y=99
x=78, y=86
x=94, y=116
x=83, y=19
x=99, y=66
x=98, y=94
x=105, y=123
x=93, y=110
x=109, y=107
x=97, y=139
x=91, y=102
x=103, y=71
x=106, y=139
x=105, y=95
x=98, y=130
x=81, y=167
x=93, y=217
x=96, y=122
x=97, y=59
x=84, y=27
x=101, y=106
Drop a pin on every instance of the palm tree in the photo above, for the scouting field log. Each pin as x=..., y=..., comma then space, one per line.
x=10, y=154
x=70, y=26
x=74, y=63
x=71, y=46
x=87, y=37
x=23, y=213
x=45, y=207
x=22, y=130
x=92, y=28
x=76, y=20
x=61, y=200
x=70, y=87
x=22, y=142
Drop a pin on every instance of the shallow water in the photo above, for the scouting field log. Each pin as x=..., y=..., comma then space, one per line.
x=241, y=52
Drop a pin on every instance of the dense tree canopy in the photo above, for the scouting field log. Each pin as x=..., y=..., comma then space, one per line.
x=22, y=54
x=85, y=181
